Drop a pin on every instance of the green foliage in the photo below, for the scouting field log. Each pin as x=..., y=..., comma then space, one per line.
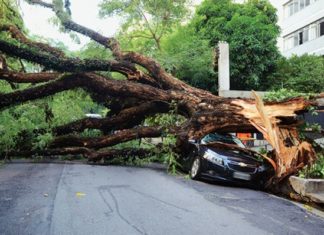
x=299, y=73
x=27, y=125
x=72, y=105
x=168, y=156
x=251, y=31
x=165, y=153
x=20, y=120
x=93, y=50
x=314, y=171
x=56, y=44
x=131, y=160
x=9, y=13
x=166, y=120
x=263, y=151
x=146, y=20
x=313, y=110
x=310, y=127
x=91, y=133
x=285, y=94
x=189, y=58
x=139, y=41
x=42, y=141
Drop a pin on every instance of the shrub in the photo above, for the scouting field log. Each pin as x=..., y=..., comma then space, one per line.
x=314, y=171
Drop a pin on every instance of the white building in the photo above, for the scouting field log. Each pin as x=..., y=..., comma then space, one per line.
x=302, y=26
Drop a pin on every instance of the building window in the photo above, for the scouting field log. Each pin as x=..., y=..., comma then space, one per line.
x=306, y=35
x=312, y=31
x=321, y=33
x=296, y=40
x=288, y=43
x=303, y=35
x=301, y=4
x=300, y=38
x=294, y=6
x=296, y=9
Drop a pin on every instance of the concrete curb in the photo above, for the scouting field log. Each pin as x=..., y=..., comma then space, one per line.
x=311, y=188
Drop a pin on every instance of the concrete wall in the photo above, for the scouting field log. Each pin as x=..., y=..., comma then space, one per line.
x=238, y=94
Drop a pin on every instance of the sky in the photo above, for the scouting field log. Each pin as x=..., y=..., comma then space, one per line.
x=84, y=12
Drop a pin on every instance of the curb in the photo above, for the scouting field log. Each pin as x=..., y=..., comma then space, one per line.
x=311, y=188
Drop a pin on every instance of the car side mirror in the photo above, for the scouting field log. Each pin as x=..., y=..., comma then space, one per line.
x=192, y=141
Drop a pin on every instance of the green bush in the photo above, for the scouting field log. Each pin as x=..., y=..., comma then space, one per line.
x=299, y=73
x=251, y=31
x=284, y=94
x=314, y=171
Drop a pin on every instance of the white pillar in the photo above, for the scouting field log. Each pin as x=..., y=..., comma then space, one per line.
x=223, y=67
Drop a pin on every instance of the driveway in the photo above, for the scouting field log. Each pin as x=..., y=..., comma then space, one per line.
x=87, y=199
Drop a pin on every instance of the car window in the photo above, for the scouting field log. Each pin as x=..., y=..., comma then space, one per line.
x=227, y=139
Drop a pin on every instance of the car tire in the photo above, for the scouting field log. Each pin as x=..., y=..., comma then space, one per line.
x=195, y=168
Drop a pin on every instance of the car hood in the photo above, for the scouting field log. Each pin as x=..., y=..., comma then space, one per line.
x=235, y=153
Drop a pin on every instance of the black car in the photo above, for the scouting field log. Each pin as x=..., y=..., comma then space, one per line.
x=223, y=157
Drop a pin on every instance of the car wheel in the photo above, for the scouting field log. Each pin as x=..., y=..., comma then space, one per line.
x=195, y=168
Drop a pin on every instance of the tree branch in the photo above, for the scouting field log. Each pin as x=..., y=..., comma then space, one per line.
x=108, y=42
x=18, y=35
x=127, y=118
x=59, y=64
x=28, y=77
x=92, y=83
x=166, y=80
x=92, y=155
x=106, y=141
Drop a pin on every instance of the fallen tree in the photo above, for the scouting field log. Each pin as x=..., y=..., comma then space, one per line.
x=146, y=90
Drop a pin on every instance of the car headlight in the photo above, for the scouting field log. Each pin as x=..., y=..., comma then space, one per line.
x=214, y=158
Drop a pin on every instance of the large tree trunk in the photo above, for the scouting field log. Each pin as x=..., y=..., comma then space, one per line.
x=145, y=92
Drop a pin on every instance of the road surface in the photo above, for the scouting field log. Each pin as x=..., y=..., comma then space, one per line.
x=86, y=199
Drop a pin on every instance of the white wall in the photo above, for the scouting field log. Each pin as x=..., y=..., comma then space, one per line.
x=304, y=17
x=315, y=47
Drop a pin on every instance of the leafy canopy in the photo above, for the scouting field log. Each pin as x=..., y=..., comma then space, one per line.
x=148, y=20
x=251, y=31
x=300, y=73
x=189, y=58
x=9, y=13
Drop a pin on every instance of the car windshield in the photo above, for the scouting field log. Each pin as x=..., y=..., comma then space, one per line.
x=226, y=138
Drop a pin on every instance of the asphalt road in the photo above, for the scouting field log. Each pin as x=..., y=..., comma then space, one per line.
x=85, y=199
